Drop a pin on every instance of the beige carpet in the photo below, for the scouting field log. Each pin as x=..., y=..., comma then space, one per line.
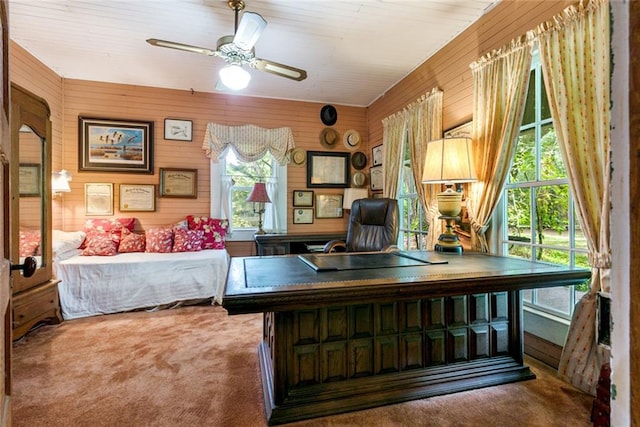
x=196, y=366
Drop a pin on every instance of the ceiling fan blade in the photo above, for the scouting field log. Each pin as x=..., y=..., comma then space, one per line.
x=181, y=46
x=249, y=30
x=279, y=69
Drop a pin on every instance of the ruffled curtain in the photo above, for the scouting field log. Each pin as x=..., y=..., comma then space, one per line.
x=425, y=124
x=394, y=128
x=575, y=55
x=249, y=142
x=500, y=81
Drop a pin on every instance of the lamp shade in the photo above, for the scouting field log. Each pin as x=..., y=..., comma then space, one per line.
x=234, y=77
x=449, y=160
x=60, y=182
x=259, y=194
x=353, y=194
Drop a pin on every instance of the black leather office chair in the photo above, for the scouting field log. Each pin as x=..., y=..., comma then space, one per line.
x=373, y=226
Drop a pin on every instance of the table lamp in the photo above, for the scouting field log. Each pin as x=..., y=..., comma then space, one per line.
x=449, y=161
x=353, y=194
x=259, y=197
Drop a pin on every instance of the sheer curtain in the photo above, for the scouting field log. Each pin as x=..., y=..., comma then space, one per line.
x=500, y=81
x=425, y=124
x=575, y=55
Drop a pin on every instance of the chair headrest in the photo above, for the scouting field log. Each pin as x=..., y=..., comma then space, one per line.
x=373, y=211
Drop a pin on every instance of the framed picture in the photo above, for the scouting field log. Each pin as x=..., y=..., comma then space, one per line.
x=178, y=129
x=464, y=130
x=327, y=169
x=376, y=154
x=376, y=179
x=29, y=180
x=98, y=198
x=137, y=198
x=303, y=216
x=107, y=145
x=302, y=198
x=329, y=206
x=176, y=182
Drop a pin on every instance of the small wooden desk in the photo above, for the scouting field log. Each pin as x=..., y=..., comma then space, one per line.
x=338, y=341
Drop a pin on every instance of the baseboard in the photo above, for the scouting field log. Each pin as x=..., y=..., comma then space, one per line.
x=543, y=350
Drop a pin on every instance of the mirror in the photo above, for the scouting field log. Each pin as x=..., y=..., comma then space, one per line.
x=31, y=187
x=30, y=177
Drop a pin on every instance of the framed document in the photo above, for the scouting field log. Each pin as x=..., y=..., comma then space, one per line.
x=376, y=178
x=178, y=129
x=303, y=216
x=176, y=182
x=98, y=198
x=137, y=198
x=328, y=169
x=302, y=198
x=329, y=206
x=377, y=155
x=29, y=179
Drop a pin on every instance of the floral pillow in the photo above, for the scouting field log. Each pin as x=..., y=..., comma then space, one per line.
x=101, y=244
x=29, y=242
x=187, y=240
x=112, y=225
x=159, y=240
x=215, y=230
x=131, y=242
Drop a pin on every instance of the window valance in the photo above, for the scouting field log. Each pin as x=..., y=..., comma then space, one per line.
x=249, y=142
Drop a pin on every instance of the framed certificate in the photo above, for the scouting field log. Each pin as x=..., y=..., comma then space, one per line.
x=29, y=179
x=98, y=198
x=303, y=216
x=302, y=198
x=137, y=198
x=176, y=182
x=376, y=179
x=329, y=206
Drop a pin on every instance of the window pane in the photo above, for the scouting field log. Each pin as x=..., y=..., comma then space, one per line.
x=407, y=183
x=243, y=215
x=581, y=241
x=545, y=111
x=527, y=295
x=530, y=105
x=582, y=260
x=552, y=215
x=519, y=214
x=519, y=251
x=523, y=167
x=551, y=163
x=556, y=299
x=553, y=256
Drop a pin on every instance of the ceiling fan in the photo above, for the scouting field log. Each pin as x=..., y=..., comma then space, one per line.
x=237, y=50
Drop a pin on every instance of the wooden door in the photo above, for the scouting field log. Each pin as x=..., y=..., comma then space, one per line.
x=5, y=201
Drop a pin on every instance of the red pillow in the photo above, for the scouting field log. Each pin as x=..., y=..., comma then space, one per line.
x=215, y=230
x=101, y=244
x=131, y=242
x=113, y=225
x=159, y=240
x=29, y=242
x=187, y=240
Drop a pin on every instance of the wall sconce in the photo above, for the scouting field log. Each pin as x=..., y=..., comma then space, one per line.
x=259, y=197
x=353, y=194
x=60, y=183
x=449, y=161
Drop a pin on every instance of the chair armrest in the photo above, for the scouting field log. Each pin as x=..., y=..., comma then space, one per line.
x=335, y=246
x=391, y=248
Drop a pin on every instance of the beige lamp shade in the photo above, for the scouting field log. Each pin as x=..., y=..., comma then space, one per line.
x=449, y=161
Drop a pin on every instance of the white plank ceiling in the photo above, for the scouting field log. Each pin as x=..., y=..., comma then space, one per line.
x=353, y=51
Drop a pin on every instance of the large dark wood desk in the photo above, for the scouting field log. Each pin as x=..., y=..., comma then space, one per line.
x=338, y=341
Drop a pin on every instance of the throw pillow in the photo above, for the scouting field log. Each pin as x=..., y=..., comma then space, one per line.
x=159, y=240
x=101, y=244
x=113, y=225
x=29, y=242
x=215, y=230
x=131, y=242
x=187, y=240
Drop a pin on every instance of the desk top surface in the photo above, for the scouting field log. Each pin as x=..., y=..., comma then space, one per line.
x=268, y=282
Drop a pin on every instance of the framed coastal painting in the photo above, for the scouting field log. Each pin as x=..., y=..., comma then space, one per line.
x=108, y=145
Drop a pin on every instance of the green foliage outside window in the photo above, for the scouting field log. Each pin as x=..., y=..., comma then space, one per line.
x=243, y=176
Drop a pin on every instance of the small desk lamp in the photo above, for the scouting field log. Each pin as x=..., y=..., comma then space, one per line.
x=449, y=161
x=259, y=197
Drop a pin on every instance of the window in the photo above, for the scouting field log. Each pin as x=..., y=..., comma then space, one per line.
x=413, y=224
x=541, y=223
x=231, y=183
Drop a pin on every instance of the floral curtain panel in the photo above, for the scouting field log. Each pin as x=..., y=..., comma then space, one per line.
x=500, y=81
x=249, y=142
x=575, y=57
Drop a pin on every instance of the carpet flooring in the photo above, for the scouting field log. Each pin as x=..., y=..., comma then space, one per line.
x=197, y=366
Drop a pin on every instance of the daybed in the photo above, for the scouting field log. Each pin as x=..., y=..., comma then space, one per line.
x=107, y=268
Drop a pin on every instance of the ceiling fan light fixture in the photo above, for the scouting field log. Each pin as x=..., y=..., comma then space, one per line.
x=234, y=77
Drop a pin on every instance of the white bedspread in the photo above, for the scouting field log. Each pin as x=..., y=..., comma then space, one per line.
x=93, y=285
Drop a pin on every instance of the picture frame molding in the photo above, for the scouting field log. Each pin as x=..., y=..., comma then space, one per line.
x=179, y=183
x=321, y=163
x=89, y=161
x=178, y=129
x=142, y=196
x=94, y=192
x=302, y=198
